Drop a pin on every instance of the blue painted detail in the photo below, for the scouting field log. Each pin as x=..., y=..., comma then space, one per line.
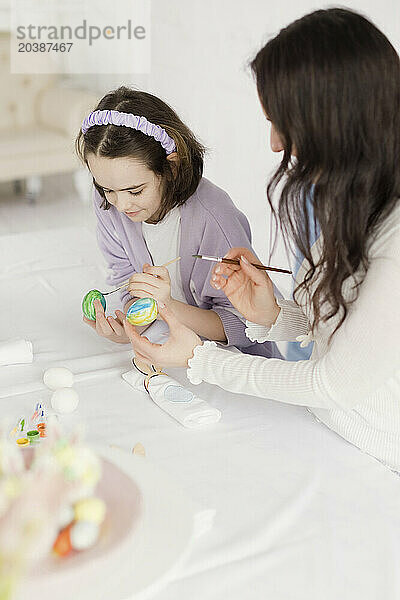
x=176, y=393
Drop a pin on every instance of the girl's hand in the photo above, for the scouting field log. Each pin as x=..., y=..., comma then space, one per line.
x=175, y=352
x=110, y=328
x=146, y=285
x=248, y=289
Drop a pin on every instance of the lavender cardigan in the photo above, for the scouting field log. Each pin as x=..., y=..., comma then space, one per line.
x=210, y=224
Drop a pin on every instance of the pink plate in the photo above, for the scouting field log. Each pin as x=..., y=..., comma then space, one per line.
x=123, y=500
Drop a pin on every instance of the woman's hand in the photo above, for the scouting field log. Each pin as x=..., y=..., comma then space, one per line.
x=110, y=328
x=248, y=289
x=175, y=352
x=146, y=285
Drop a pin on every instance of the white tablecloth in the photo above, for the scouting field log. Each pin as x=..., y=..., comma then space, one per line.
x=301, y=514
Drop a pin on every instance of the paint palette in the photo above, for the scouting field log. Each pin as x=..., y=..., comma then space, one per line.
x=28, y=432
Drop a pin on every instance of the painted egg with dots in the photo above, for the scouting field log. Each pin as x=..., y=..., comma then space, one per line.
x=87, y=304
x=142, y=312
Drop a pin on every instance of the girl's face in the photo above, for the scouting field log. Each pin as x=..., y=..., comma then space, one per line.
x=128, y=185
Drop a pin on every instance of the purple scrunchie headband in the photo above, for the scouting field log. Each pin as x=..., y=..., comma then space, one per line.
x=114, y=117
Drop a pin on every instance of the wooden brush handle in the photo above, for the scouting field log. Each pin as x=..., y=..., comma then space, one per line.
x=235, y=261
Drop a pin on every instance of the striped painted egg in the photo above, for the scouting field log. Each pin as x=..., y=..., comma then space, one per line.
x=142, y=312
x=87, y=304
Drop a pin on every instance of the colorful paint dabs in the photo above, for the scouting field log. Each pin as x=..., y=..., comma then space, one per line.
x=87, y=304
x=142, y=312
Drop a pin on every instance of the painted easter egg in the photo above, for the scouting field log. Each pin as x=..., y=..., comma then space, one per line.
x=62, y=546
x=65, y=516
x=84, y=534
x=87, y=304
x=90, y=509
x=142, y=312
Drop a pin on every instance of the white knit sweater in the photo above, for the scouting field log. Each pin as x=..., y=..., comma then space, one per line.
x=352, y=384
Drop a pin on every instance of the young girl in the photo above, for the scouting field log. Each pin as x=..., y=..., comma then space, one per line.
x=153, y=205
x=330, y=85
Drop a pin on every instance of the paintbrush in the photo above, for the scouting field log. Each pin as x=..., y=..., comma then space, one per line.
x=125, y=283
x=235, y=261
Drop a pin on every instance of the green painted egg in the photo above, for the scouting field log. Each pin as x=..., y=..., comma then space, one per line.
x=87, y=304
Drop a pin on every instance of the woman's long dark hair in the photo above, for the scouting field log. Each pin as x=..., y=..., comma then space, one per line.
x=114, y=141
x=330, y=84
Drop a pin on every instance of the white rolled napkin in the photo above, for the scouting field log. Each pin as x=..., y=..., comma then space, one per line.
x=15, y=352
x=179, y=402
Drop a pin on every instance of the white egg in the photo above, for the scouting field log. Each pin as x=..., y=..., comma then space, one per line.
x=65, y=516
x=84, y=534
x=64, y=400
x=58, y=377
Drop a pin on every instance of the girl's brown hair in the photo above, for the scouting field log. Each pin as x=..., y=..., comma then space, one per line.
x=179, y=181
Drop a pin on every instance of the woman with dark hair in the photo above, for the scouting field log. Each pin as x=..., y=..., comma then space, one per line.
x=329, y=83
x=153, y=205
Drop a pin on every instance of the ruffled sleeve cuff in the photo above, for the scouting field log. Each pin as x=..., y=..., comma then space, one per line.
x=291, y=323
x=196, y=365
x=256, y=332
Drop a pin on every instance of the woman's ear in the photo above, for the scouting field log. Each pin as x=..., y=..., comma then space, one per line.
x=173, y=158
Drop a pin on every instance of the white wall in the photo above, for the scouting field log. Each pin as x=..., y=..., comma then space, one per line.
x=200, y=50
